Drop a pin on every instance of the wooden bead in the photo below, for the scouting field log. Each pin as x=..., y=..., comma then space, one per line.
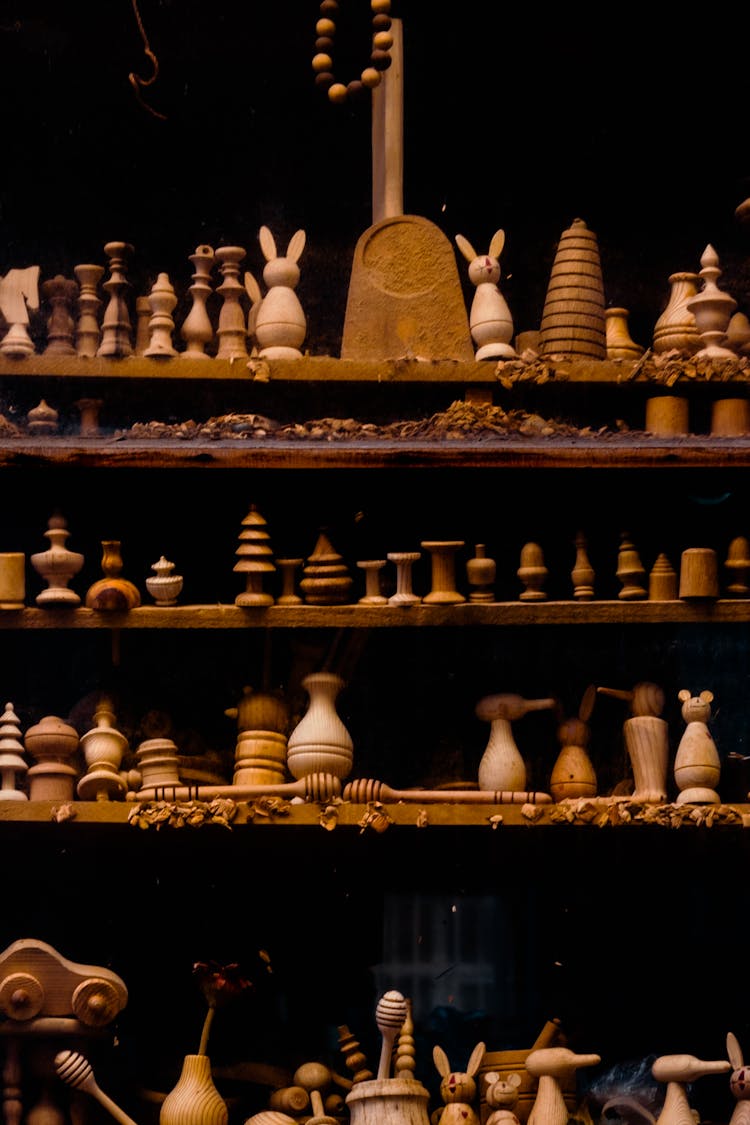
x=322, y=63
x=371, y=77
x=337, y=92
x=324, y=79
x=355, y=88
x=324, y=43
x=329, y=7
x=380, y=6
x=381, y=22
x=382, y=40
x=325, y=27
x=381, y=60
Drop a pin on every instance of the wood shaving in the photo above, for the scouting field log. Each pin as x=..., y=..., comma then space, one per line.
x=604, y=811
x=181, y=814
x=375, y=818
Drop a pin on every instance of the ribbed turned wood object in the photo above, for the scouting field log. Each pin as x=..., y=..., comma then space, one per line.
x=573, y=320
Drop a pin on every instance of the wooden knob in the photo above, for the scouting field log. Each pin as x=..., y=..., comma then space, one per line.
x=96, y=1002
x=21, y=996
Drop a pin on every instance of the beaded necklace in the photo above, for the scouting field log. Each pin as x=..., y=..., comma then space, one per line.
x=380, y=53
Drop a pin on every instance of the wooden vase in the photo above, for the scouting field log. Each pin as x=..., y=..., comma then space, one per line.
x=675, y=329
x=195, y=1099
x=320, y=743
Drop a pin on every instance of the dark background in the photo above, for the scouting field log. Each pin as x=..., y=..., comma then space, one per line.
x=514, y=117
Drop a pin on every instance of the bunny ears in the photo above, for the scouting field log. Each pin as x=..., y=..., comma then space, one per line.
x=268, y=245
x=496, y=246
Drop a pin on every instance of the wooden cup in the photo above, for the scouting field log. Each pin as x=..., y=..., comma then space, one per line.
x=699, y=573
x=12, y=580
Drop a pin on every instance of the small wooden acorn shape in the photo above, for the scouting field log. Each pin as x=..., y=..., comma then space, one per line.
x=490, y=321
x=501, y=1095
x=550, y=1065
x=280, y=323
x=573, y=773
x=697, y=766
x=679, y=1071
x=458, y=1088
x=501, y=765
x=739, y=1082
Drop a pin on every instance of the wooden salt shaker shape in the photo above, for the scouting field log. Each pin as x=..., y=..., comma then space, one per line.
x=164, y=586
x=712, y=309
x=88, y=333
x=116, y=339
x=551, y=1066
x=573, y=774
x=261, y=749
x=52, y=743
x=646, y=737
x=630, y=571
x=288, y=568
x=737, y=564
x=404, y=561
x=19, y=292
x=255, y=559
x=13, y=766
x=458, y=1088
x=112, y=592
x=582, y=575
x=697, y=766
x=103, y=749
x=490, y=320
x=320, y=742
x=231, y=331
x=620, y=345
x=443, y=564
x=372, y=594
x=60, y=293
x=573, y=320
x=326, y=580
x=533, y=573
x=197, y=330
x=501, y=766
x=480, y=574
x=280, y=323
x=57, y=566
x=162, y=300
x=675, y=329
x=679, y=1071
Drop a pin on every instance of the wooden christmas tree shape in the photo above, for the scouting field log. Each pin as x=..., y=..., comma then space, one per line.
x=13, y=765
x=326, y=580
x=255, y=559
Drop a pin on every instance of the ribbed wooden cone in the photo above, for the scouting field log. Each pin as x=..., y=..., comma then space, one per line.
x=573, y=320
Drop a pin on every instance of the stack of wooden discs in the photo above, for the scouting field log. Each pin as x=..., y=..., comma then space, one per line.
x=573, y=321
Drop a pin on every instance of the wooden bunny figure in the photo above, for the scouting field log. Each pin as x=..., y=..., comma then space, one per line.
x=490, y=321
x=458, y=1088
x=280, y=323
x=739, y=1082
x=697, y=766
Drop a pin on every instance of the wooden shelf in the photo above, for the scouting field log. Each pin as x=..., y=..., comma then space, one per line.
x=723, y=611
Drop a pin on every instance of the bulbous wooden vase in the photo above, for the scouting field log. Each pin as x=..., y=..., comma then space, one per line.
x=195, y=1099
x=320, y=743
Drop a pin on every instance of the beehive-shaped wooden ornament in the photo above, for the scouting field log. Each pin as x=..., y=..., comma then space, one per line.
x=573, y=320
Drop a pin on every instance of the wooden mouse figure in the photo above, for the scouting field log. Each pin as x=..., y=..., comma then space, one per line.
x=458, y=1088
x=501, y=1095
x=280, y=323
x=739, y=1082
x=697, y=766
x=490, y=321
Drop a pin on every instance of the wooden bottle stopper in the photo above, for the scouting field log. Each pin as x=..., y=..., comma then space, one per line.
x=443, y=565
x=699, y=573
x=52, y=743
x=103, y=748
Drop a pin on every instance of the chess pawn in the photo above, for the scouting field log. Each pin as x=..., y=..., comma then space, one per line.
x=197, y=330
x=142, y=324
x=697, y=766
x=88, y=333
x=52, y=743
x=620, y=345
x=60, y=293
x=737, y=565
x=162, y=301
x=112, y=592
x=13, y=765
x=502, y=766
x=675, y=329
x=533, y=573
x=103, y=748
x=630, y=571
x=712, y=309
x=582, y=575
x=165, y=586
x=116, y=327
x=231, y=331
x=573, y=773
x=646, y=737
x=320, y=742
x=280, y=323
x=57, y=566
x=480, y=574
x=490, y=320
x=255, y=559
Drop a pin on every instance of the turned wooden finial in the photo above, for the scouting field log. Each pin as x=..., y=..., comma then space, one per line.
x=582, y=575
x=737, y=564
x=630, y=570
x=533, y=573
x=354, y=1058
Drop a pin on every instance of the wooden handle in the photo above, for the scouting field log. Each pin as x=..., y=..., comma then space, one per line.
x=75, y=1070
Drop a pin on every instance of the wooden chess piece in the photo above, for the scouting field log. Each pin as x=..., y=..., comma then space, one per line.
x=501, y=765
x=142, y=324
x=89, y=410
x=372, y=594
x=630, y=571
x=675, y=329
x=458, y=1088
x=481, y=572
x=255, y=559
x=42, y=420
x=116, y=339
x=646, y=737
x=52, y=743
x=712, y=308
x=88, y=332
x=326, y=578
x=231, y=331
x=280, y=323
x=679, y=1072
x=19, y=293
x=112, y=592
x=288, y=568
x=320, y=742
x=443, y=567
x=582, y=575
x=197, y=330
x=164, y=586
x=551, y=1066
x=103, y=748
x=404, y=561
x=162, y=301
x=533, y=573
x=355, y=1059
x=57, y=566
x=737, y=565
x=490, y=319
x=60, y=293
x=697, y=766
x=13, y=765
x=573, y=774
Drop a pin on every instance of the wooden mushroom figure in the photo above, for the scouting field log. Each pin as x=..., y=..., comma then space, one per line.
x=551, y=1065
x=679, y=1071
